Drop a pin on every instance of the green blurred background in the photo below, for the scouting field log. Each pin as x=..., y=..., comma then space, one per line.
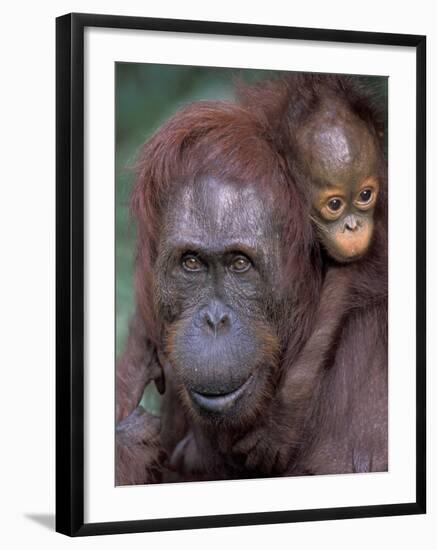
x=146, y=95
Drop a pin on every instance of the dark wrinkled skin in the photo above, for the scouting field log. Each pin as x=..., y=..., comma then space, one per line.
x=219, y=322
x=341, y=159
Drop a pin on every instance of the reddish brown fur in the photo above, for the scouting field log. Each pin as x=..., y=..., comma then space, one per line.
x=137, y=366
x=138, y=450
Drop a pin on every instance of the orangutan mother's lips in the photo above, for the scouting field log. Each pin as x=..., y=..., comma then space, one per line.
x=219, y=403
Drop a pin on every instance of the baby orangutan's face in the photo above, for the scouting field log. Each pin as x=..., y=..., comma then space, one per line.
x=342, y=160
x=344, y=217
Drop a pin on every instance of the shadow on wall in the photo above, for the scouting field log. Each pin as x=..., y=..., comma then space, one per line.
x=46, y=520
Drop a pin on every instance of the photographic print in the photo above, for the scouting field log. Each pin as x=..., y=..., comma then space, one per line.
x=251, y=229
x=240, y=300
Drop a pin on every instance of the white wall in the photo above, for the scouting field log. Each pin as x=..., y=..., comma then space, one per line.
x=27, y=281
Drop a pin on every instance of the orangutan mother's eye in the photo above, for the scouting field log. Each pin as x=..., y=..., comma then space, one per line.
x=192, y=263
x=240, y=264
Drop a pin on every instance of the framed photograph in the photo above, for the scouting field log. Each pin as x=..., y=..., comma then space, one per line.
x=240, y=274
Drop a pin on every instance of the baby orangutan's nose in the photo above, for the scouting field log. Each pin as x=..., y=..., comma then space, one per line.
x=351, y=223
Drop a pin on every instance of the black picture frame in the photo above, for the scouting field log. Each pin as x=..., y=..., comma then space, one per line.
x=70, y=273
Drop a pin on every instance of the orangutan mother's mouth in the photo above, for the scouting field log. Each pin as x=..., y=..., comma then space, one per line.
x=219, y=403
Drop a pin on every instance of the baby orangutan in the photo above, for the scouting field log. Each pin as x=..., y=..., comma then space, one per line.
x=341, y=160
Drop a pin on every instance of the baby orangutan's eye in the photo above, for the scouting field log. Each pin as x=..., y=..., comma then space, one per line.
x=332, y=208
x=365, y=196
x=335, y=204
x=240, y=264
